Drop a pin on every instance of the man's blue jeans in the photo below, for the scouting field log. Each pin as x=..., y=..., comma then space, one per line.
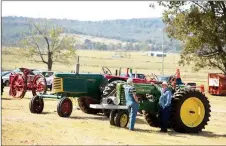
x=164, y=115
x=133, y=109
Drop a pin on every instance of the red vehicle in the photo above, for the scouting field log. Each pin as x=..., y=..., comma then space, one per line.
x=26, y=80
x=217, y=83
x=137, y=78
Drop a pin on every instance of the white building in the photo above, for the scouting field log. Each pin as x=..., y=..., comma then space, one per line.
x=156, y=54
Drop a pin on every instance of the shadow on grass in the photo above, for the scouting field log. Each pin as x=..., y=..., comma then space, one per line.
x=102, y=118
x=9, y=98
x=44, y=113
x=207, y=134
x=210, y=134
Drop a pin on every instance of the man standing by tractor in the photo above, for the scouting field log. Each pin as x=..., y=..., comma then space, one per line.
x=132, y=102
x=165, y=106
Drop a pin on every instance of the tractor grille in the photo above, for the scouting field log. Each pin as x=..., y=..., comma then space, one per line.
x=122, y=96
x=57, y=85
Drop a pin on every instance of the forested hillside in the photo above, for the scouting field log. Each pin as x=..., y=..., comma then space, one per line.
x=137, y=34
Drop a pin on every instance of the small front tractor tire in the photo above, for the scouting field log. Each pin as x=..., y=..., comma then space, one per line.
x=84, y=103
x=112, y=116
x=36, y=104
x=190, y=111
x=121, y=118
x=64, y=107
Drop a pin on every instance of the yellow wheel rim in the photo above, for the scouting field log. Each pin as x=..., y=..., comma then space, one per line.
x=192, y=112
x=123, y=120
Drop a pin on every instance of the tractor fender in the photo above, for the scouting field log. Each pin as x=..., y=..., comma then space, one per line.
x=114, y=79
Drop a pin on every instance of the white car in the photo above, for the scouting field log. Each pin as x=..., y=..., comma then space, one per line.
x=49, y=82
x=5, y=79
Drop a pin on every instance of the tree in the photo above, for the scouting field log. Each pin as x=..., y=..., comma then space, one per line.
x=201, y=26
x=48, y=43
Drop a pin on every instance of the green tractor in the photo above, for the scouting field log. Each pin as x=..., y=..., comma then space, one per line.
x=87, y=88
x=190, y=107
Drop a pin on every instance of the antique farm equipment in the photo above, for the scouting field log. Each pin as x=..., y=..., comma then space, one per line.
x=119, y=77
x=190, y=108
x=22, y=82
x=87, y=88
x=217, y=83
x=174, y=80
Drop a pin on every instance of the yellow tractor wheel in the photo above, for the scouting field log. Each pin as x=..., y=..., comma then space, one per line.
x=190, y=111
x=121, y=118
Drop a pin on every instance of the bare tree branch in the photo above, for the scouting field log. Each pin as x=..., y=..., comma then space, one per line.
x=217, y=65
x=200, y=6
x=39, y=51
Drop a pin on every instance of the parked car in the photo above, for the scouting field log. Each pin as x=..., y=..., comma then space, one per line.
x=5, y=72
x=48, y=76
x=5, y=79
x=140, y=76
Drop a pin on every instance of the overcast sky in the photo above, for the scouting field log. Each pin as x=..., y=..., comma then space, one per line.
x=81, y=10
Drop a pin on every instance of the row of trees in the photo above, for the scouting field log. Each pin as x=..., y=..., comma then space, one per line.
x=132, y=30
x=143, y=46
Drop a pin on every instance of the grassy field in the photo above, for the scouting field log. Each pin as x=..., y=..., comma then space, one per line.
x=21, y=127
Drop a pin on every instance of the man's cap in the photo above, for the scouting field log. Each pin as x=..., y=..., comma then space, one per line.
x=130, y=81
x=164, y=83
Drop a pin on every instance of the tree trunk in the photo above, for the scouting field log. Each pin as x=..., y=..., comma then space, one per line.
x=50, y=61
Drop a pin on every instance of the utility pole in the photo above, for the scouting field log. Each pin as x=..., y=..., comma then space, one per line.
x=162, y=56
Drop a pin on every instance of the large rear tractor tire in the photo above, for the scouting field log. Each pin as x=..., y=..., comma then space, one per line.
x=84, y=103
x=64, y=107
x=18, y=88
x=40, y=85
x=110, y=90
x=190, y=111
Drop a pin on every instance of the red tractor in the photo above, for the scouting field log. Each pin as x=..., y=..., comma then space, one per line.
x=137, y=78
x=26, y=80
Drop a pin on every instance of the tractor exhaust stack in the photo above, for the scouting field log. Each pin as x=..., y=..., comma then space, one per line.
x=77, y=66
x=119, y=72
x=127, y=72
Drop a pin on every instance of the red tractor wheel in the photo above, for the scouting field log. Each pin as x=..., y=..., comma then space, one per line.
x=18, y=86
x=39, y=85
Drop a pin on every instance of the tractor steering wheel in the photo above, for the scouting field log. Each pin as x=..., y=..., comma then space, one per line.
x=106, y=70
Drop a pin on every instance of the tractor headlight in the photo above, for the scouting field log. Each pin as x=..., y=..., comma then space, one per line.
x=115, y=100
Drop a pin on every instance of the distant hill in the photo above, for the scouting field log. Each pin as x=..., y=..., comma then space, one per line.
x=145, y=30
